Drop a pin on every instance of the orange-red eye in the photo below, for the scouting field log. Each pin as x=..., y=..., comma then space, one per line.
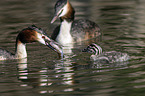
x=43, y=37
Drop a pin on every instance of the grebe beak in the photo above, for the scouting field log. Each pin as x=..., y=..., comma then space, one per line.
x=54, y=18
x=56, y=47
x=43, y=38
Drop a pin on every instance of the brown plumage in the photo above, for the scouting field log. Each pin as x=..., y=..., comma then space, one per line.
x=29, y=35
x=70, y=30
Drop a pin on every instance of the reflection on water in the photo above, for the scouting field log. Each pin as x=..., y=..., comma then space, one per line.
x=63, y=73
x=122, y=24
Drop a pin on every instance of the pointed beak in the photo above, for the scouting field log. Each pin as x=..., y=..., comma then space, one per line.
x=54, y=18
x=55, y=47
x=47, y=39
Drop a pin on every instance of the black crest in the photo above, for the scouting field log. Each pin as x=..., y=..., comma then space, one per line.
x=39, y=30
x=60, y=4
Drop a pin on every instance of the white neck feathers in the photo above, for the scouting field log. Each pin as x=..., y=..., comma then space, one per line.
x=21, y=51
x=64, y=37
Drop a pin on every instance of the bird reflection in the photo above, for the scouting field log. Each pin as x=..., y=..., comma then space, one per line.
x=60, y=75
x=22, y=70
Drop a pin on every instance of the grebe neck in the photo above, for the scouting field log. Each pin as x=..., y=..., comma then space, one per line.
x=20, y=51
x=64, y=36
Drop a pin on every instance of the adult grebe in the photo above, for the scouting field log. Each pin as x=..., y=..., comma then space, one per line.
x=72, y=31
x=108, y=57
x=28, y=35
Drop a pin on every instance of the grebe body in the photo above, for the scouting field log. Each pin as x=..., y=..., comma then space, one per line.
x=27, y=35
x=71, y=30
x=108, y=57
x=4, y=54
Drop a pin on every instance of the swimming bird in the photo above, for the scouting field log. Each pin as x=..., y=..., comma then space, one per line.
x=70, y=30
x=28, y=35
x=108, y=57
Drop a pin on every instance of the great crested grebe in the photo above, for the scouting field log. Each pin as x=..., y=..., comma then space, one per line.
x=71, y=30
x=108, y=57
x=29, y=35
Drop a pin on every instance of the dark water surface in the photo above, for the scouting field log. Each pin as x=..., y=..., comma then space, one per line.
x=123, y=27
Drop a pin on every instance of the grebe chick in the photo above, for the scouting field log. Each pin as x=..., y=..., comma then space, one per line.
x=27, y=35
x=108, y=57
x=71, y=30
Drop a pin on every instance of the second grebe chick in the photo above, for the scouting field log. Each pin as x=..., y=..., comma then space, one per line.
x=108, y=57
x=71, y=30
x=27, y=35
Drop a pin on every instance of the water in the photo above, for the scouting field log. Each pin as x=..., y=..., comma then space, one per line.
x=42, y=73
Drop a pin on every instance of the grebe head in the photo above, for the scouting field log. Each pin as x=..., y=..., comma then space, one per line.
x=32, y=34
x=35, y=34
x=63, y=9
x=93, y=48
